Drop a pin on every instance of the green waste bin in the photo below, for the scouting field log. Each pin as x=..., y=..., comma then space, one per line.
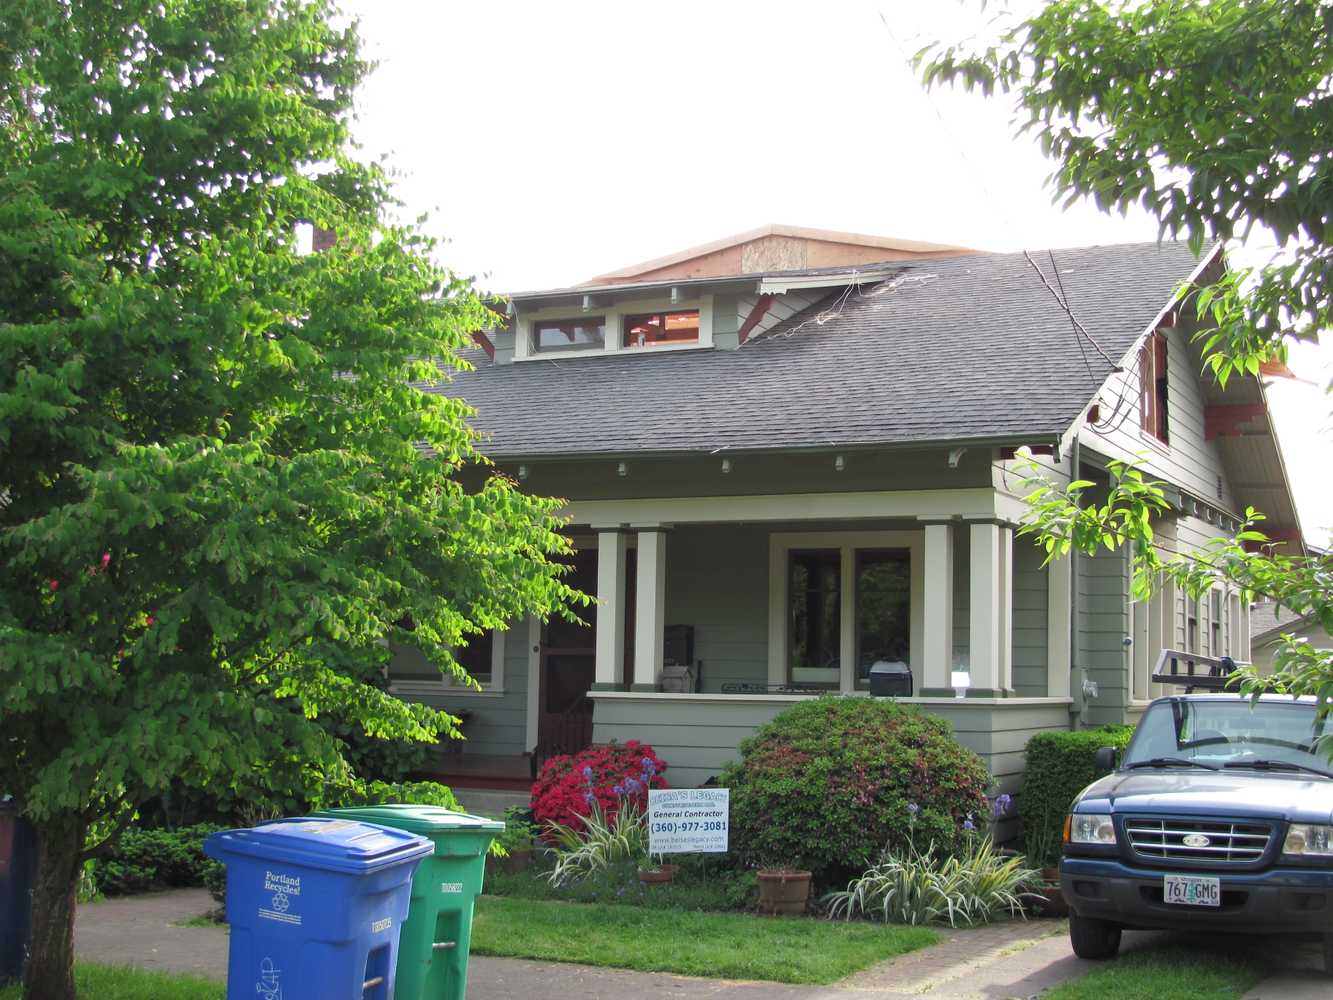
x=436, y=937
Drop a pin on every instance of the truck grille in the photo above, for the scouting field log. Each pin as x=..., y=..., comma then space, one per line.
x=1227, y=843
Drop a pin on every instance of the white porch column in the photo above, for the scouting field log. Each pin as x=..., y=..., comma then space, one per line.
x=1006, y=601
x=649, y=609
x=1059, y=607
x=991, y=614
x=937, y=643
x=609, y=674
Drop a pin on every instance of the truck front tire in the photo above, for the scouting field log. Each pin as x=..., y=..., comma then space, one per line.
x=1093, y=939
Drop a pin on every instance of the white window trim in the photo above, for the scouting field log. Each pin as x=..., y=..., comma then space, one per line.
x=847, y=542
x=614, y=315
x=494, y=688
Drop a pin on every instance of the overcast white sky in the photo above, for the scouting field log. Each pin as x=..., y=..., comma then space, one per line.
x=553, y=141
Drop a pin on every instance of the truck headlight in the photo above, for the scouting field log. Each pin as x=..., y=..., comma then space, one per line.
x=1309, y=840
x=1089, y=828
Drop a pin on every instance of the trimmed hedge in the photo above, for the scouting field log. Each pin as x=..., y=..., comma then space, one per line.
x=832, y=782
x=1057, y=766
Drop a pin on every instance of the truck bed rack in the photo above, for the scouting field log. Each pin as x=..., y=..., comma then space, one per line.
x=1195, y=672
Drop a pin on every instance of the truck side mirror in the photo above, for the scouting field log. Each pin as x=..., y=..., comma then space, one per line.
x=1107, y=758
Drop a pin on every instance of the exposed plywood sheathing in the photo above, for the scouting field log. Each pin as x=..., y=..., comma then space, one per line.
x=777, y=248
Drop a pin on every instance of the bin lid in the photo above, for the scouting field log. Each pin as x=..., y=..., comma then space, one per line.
x=428, y=820
x=889, y=667
x=340, y=845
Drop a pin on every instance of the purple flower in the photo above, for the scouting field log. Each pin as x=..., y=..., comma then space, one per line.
x=1001, y=806
x=968, y=824
x=649, y=768
x=589, y=798
x=587, y=775
x=632, y=786
x=913, y=808
x=618, y=790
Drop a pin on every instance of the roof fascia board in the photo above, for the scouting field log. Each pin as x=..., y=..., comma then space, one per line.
x=1001, y=441
x=780, y=286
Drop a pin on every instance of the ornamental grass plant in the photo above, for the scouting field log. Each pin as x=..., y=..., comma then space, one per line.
x=974, y=886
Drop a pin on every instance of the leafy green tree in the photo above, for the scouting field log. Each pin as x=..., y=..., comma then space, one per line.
x=1216, y=116
x=221, y=494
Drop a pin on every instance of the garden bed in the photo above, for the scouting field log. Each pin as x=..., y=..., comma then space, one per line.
x=687, y=942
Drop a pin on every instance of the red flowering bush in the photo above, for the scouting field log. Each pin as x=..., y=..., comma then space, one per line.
x=567, y=786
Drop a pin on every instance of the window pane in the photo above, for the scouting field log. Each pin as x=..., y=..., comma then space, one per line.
x=814, y=613
x=552, y=335
x=680, y=327
x=883, y=608
x=476, y=656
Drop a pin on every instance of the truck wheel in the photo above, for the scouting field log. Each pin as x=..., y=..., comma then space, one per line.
x=1093, y=939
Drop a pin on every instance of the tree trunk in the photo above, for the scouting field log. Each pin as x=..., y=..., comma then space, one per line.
x=50, y=971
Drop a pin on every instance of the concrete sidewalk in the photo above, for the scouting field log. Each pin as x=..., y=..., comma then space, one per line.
x=1017, y=959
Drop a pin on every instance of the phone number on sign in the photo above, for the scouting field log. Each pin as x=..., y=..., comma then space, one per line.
x=689, y=826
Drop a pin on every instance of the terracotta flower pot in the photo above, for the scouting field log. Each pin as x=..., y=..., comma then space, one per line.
x=783, y=891
x=658, y=876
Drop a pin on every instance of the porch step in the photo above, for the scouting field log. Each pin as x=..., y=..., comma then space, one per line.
x=491, y=802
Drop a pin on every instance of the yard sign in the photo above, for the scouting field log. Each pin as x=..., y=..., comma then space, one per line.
x=688, y=820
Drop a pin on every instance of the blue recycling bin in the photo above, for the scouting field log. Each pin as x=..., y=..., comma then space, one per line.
x=18, y=865
x=315, y=907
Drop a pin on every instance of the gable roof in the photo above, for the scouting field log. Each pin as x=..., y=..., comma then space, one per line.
x=762, y=249
x=946, y=351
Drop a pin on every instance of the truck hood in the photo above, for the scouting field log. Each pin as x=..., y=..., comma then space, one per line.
x=1194, y=792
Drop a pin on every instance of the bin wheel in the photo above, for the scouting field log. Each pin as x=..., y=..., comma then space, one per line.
x=1093, y=939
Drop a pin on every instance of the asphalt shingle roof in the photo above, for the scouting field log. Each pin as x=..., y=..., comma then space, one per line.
x=952, y=349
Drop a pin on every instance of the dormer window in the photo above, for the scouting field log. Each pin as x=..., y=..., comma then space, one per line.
x=550, y=336
x=647, y=329
x=638, y=326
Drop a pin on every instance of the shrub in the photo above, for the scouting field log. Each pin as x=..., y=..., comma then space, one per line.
x=147, y=859
x=519, y=833
x=378, y=793
x=1057, y=766
x=827, y=786
x=568, y=786
x=920, y=887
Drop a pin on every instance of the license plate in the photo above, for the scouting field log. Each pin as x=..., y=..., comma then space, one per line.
x=1192, y=890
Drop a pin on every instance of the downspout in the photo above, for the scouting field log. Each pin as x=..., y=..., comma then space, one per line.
x=1075, y=714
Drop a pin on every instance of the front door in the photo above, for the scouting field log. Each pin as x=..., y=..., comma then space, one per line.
x=568, y=662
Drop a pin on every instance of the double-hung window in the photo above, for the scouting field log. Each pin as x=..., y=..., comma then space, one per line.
x=410, y=673
x=841, y=602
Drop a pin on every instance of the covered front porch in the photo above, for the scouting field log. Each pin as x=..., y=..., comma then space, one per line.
x=713, y=614
x=767, y=600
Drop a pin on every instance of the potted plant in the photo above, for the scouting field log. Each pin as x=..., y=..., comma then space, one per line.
x=783, y=889
x=1047, y=898
x=656, y=872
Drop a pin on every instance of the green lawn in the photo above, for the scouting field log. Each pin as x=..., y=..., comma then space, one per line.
x=1177, y=972
x=105, y=982
x=719, y=945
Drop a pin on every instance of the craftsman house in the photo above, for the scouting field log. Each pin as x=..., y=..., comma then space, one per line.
x=793, y=455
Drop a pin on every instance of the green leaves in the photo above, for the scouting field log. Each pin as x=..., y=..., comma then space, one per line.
x=1124, y=97
x=221, y=490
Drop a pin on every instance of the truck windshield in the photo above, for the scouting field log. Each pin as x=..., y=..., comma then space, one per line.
x=1268, y=735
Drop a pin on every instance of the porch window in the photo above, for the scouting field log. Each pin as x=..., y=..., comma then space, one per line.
x=551, y=336
x=476, y=657
x=814, y=615
x=647, y=329
x=410, y=673
x=883, y=609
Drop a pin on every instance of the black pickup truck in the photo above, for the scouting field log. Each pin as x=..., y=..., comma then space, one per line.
x=1219, y=818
